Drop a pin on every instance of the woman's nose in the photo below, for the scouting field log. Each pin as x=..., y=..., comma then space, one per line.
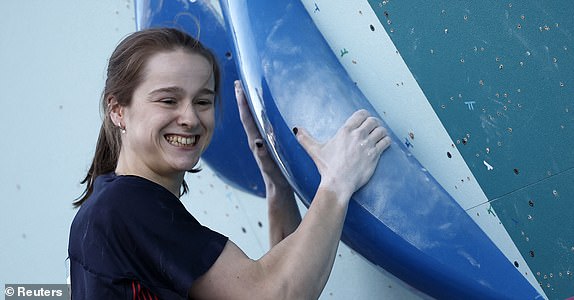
x=188, y=116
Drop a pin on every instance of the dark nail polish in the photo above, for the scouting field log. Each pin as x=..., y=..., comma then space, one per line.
x=259, y=144
x=295, y=130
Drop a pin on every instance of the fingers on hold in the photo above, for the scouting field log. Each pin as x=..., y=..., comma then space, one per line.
x=383, y=144
x=305, y=140
x=247, y=120
x=258, y=147
x=363, y=113
x=239, y=95
x=245, y=113
x=259, y=143
x=370, y=124
x=300, y=133
x=378, y=133
x=385, y=131
x=357, y=118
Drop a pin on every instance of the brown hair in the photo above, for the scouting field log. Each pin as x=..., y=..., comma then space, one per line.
x=124, y=75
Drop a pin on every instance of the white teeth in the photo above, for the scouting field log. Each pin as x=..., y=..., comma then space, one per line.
x=180, y=140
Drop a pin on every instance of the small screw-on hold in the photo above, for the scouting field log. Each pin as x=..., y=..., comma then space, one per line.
x=516, y=264
x=531, y=253
x=372, y=27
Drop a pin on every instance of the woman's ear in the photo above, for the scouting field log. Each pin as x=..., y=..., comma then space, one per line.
x=116, y=111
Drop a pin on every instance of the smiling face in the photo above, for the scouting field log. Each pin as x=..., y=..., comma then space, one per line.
x=170, y=120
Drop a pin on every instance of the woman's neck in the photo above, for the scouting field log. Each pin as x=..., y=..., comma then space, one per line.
x=171, y=182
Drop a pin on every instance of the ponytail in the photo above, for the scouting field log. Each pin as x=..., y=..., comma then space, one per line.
x=105, y=159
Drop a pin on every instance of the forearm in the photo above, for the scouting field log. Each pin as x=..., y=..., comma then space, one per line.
x=303, y=261
x=296, y=268
x=283, y=212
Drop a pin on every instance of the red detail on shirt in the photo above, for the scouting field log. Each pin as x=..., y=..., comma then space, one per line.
x=141, y=292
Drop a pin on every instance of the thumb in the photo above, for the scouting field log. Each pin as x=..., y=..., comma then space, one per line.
x=306, y=141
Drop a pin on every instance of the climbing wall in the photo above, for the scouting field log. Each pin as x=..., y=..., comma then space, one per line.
x=499, y=77
x=39, y=177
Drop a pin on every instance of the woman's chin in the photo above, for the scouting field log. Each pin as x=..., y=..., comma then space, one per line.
x=187, y=167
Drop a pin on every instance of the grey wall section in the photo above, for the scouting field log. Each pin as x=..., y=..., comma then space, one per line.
x=52, y=60
x=53, y=57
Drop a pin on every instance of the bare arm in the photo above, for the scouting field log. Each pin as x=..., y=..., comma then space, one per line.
x=298, y=267
x=283, y=213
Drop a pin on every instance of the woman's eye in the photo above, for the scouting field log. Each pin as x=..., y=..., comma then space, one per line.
x=204, y=102
x=168, y=100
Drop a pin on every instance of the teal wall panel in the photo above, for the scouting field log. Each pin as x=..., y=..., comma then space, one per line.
x=539, y=218
x=500, y=76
